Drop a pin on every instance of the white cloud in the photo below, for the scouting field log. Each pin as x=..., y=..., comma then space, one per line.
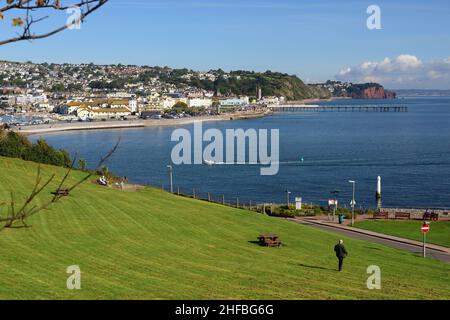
x=404, y=71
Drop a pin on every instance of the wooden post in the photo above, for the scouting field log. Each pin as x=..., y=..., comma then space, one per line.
x=209, y=196
x=237, y=202
x=178, y=190
x=223, y=199
x=193, y=193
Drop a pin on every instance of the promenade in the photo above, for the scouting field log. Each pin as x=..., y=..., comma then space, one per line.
x=122, y=124
x=435, y=251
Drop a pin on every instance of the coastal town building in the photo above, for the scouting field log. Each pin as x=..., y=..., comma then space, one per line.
x=200, y=103
x=271, y=100
x=29, y=99
x=44, y=106
x=90, y=92
x=169, y=101
x=235, y=102
x=102, y=113
x=99, y=109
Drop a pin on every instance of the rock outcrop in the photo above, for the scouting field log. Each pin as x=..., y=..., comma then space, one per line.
x=374, y=92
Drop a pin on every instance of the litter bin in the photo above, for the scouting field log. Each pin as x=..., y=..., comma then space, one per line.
x=341, y=218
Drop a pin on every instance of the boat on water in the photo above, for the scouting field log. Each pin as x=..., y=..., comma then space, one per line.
x=209, y=162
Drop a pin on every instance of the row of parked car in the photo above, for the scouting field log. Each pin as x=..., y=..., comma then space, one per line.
x=168, y=115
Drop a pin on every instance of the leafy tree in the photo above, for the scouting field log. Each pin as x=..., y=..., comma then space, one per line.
x=180, y=107
x=42, y=152
x=59, y=87
x=15, y=145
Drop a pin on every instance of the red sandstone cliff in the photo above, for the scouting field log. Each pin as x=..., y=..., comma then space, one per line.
x=375, y=92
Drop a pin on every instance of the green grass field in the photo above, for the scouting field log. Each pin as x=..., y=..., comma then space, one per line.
x=152, y=245
x=439, y=231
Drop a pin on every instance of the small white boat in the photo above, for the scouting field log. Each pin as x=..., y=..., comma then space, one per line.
x=209, y=162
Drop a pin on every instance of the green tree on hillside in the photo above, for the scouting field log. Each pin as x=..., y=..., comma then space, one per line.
x=15, y=145
x=180, y=107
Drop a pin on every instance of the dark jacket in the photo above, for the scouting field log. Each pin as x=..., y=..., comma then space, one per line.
x=340, y=251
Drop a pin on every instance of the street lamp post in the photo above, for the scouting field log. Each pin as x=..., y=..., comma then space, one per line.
x=287, y=195
x=353, y=201
x=171, y=177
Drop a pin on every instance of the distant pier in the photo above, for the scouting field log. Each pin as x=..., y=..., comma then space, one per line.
x=335, y=108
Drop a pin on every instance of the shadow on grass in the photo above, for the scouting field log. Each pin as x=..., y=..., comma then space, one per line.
x=19, y=227
x=260, y=245
x=373, y=248
x=314, y=267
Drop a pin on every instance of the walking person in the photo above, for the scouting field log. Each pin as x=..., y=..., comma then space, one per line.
x=341, y=253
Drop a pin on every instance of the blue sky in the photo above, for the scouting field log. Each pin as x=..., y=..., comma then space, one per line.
x=317, y=40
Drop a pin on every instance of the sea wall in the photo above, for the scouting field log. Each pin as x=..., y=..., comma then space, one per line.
x=417, y=213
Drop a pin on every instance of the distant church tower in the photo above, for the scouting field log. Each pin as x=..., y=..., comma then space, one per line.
x=258, y=93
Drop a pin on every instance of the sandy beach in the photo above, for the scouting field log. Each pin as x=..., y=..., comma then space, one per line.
x=118, y=124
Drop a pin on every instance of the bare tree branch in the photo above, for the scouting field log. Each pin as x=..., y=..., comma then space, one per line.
x=51, y=5
x=24, y=212
x=87, y=7
x=15, y=5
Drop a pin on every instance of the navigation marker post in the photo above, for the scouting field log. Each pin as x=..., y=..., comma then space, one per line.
x=288, y=198
x=378, y=193
x=425, y=228
x=298, y=203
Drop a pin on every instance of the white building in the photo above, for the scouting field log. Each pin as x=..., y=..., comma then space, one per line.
x=120, y=95
x=199, y=103
x=235, y=102
x=103, y=113
x=169, y=102
x=270, y=101
x=27, y=99
x=45, y=105
x=133, y=105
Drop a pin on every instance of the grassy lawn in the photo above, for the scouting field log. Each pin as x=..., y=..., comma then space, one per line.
x=152, y=245
x=439, y=231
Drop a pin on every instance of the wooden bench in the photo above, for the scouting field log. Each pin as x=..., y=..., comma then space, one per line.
x=381, y=215
x=269, y=240
x=431, y=216
x=402, y=215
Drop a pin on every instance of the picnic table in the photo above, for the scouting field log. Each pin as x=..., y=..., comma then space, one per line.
x=269, y=240
x=61, y=192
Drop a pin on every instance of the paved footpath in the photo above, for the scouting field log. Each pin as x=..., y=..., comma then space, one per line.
x=434, y=251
